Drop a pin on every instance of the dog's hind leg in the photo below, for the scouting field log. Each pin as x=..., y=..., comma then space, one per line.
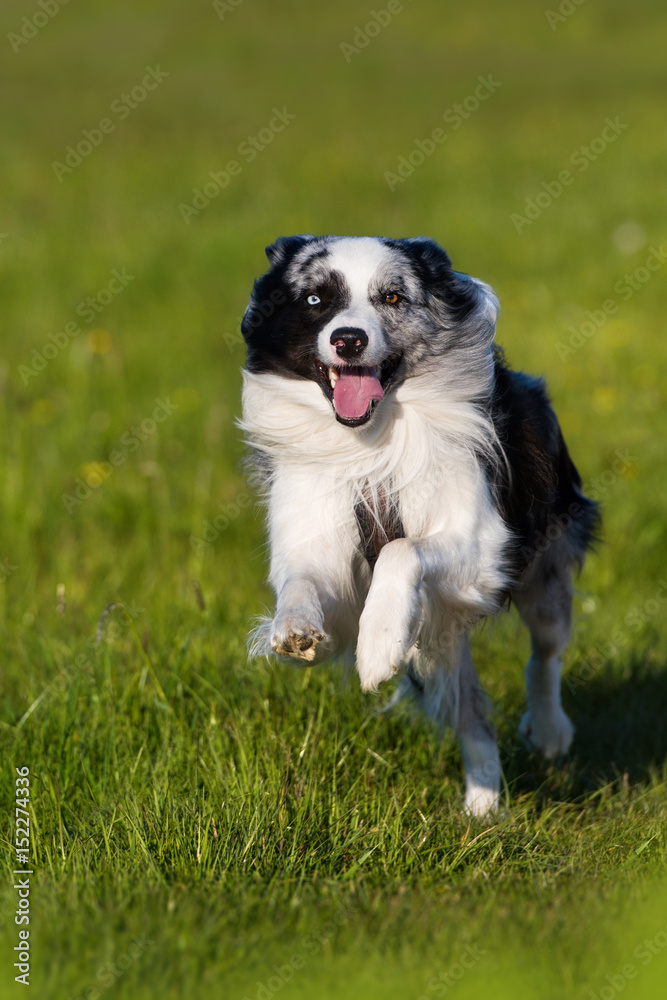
x=477, y=738
x=544, y=602
x=453, y=696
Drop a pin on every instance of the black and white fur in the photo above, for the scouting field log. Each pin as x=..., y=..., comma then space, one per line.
x=460, y=470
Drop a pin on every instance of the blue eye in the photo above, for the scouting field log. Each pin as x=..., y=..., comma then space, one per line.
x=313, y=300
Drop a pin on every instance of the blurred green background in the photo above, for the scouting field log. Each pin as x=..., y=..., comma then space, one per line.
x=227, y=809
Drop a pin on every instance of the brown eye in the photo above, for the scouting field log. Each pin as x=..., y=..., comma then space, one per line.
x=391, y=298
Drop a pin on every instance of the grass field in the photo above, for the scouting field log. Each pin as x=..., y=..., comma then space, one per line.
x=205, y=827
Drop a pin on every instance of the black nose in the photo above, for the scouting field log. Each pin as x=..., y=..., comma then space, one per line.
x=349, y=342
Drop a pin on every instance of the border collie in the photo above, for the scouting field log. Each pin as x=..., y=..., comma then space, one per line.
x=415, y=483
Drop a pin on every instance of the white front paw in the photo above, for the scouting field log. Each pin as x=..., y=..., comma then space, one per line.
x=375, y=663
x=548, y=730
x=393, y=615
x=386, y=636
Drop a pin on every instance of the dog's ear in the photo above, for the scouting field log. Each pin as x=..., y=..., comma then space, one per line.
x=427, y=254
x=462, y=294
x=286, y=246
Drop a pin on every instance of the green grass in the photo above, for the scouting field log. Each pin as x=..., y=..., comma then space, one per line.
x=244, y=815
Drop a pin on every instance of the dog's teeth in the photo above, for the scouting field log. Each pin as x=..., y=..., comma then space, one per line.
x=333, y=377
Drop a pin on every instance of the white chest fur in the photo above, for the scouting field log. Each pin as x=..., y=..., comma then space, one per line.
x=420, y=448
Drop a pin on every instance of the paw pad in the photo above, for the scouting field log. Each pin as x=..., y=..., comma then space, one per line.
x=297, y=643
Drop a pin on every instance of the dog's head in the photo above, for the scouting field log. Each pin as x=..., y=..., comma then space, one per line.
x=359, y=315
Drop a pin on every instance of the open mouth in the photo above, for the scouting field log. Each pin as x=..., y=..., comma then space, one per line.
x=355, y=391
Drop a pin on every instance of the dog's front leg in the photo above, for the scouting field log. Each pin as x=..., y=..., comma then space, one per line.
x=412, y=577
x=393, y=613
x=298, y=625
x=312, y=551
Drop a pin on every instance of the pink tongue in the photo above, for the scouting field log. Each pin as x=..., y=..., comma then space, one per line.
x=354, y=391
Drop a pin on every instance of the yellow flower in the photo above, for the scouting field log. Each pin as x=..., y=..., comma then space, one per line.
x=99, y=341
x=42, y=411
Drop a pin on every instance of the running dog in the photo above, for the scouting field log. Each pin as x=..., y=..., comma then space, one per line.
x=415, y=483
